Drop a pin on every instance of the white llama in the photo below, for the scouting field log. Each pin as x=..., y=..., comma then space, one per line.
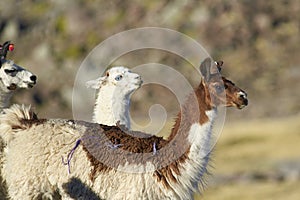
x=113, y=99
x=43, y=174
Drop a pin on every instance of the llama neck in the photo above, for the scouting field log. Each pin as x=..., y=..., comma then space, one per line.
x=5, y=99
x=193, y=132
x=112, y=107
x=193, y=111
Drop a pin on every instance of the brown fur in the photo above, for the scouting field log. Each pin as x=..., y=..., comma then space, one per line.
x=25, y=123
x=98, y=143
x=33, y=121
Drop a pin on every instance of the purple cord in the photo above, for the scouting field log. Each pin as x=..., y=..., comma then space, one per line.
x=70, y=155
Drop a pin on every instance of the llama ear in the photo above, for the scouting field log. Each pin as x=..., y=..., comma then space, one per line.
x=7, y=46
x=4, y=48
x=219, y=65
x=95, y=84
x=205, y=68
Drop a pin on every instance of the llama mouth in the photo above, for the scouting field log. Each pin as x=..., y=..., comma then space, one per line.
x=12, y=87
x=241, y=106
x=30, y=84
x=139, y=84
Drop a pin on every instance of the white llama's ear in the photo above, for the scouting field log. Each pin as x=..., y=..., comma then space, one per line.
x=95, y=84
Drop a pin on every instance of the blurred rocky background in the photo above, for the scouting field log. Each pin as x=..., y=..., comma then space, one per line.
x=257, y=40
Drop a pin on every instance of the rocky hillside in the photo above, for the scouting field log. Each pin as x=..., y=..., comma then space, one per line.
x=258, y=40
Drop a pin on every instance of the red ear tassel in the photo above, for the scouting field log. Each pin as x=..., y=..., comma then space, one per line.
x=11, y=47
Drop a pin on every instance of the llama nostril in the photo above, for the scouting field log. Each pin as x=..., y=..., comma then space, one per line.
x=33, y=78
x=245, y=102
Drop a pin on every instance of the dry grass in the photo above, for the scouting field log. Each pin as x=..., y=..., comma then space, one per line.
x=260, y=190
x=251, y=147
x=256, y=145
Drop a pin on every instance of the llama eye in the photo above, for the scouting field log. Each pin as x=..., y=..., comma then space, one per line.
x=219, y=88
x=119, y=77
x=10, y=71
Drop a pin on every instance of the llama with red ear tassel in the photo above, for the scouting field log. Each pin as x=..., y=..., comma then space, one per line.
x=12, y=77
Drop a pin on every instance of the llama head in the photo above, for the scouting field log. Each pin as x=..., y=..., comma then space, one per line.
x=120, y=79
x=13, y=76
x=220, y=90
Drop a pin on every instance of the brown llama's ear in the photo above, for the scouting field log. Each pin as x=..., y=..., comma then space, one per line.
x=205, y=68
x=219, y=65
